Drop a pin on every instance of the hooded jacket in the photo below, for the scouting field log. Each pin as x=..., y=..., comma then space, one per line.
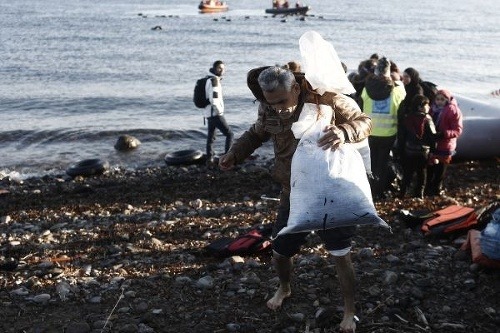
x=419, y=130
x=213, y=90
x=448, y=122
x=346, y=115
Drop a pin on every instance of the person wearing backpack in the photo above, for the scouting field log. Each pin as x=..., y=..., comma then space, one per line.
x=419, y=135
x=214, y=111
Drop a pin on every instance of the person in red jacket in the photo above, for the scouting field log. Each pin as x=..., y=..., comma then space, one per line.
x=449, y=126
x=419, y=135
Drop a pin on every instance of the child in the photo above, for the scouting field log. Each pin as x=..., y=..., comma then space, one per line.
x=448, y=119
x=420, y=133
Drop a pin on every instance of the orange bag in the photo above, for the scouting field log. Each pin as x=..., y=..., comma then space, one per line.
x=449, y=220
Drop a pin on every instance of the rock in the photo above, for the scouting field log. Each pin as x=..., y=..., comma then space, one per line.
x=22, y=291
x=390, y=277
x=206, y=282
x=95, y=300
x=143, y=328
x=41, y=298
x=141, y=307
x=63, y=289
x=128, y=328
x=78, y=328
x=126, y=143
x=365, y=253
x=9, y=264
x=231, y=327
x=297, y=317
x=5, y=219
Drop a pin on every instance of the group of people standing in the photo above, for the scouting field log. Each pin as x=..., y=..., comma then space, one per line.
x=412, y=120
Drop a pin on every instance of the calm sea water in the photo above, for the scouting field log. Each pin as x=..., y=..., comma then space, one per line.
x=75, y=75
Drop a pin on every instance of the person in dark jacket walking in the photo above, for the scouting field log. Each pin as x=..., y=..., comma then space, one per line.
x=419, y=135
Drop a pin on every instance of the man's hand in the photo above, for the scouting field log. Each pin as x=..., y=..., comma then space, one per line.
x=333, y=137
x=227, y=161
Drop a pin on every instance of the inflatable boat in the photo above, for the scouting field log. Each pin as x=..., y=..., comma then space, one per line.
x=212, y=6
x=481, y=134
x=288, y=11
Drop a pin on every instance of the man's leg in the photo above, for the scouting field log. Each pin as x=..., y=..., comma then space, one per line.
x=210, y=137
x=345, y=272
x=386, y=144
x=284, y=248
x=283, y=266
x=226, y=131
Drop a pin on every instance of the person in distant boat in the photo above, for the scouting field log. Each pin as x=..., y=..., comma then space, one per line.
x=276, y=4
x=286, y=4
x=449, y=126
x=214, y=112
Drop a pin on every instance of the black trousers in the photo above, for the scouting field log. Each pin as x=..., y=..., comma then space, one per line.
x=218, y=122
x=380, y=149
x=435, y=177
x=414, y=164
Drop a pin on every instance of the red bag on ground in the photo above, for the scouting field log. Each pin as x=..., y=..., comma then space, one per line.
x=255, y=241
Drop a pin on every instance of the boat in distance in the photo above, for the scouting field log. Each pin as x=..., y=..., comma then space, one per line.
x=288, y=11
x=213, y=6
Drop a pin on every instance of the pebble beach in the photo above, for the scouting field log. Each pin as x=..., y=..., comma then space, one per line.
x=125, y=252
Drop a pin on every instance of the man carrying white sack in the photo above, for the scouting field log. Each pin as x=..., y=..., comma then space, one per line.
x=282, y=96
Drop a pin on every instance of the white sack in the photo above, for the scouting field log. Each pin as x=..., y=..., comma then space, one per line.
x=322, y=66
x=329, y=189
x=364, y=150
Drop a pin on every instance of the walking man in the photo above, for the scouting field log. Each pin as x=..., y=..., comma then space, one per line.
x=214, y=112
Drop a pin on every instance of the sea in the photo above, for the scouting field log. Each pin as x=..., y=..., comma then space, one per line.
x=76, y=75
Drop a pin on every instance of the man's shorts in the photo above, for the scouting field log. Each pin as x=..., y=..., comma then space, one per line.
x=289, y=245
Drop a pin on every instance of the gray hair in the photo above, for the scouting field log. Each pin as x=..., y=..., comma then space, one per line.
x=275, y=77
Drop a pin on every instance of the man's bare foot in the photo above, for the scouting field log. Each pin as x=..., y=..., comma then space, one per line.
x=348, y=324
x=276, y=301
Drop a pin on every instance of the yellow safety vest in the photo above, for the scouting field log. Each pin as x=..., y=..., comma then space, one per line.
x=384, y=113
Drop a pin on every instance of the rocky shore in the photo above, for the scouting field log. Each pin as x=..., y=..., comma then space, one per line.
x=125, y=252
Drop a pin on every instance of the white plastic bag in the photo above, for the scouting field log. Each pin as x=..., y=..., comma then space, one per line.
x=322, y=66
x=329, y=189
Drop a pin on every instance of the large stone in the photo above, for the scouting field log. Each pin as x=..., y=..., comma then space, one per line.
x=127, y=142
